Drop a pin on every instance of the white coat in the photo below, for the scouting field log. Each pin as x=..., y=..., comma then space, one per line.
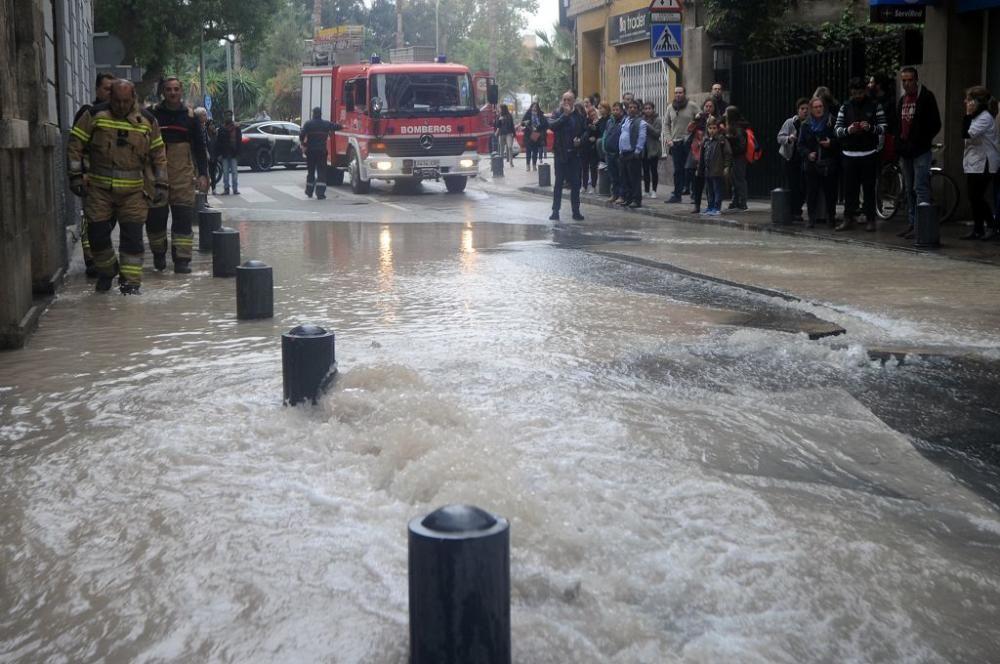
x=983, y=145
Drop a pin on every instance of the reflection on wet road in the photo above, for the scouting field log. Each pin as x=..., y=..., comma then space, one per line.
x=683, y=482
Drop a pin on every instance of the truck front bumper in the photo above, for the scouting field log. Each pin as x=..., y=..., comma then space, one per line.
x=382, y=167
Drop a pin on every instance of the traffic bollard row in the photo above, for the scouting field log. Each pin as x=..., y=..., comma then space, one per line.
x=209, y=221
x=254, y=291
x=459, y=569
x=308, y=363
x=225, y=252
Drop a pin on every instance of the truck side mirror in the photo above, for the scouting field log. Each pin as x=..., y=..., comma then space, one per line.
x=376, y=106
x=492, y=94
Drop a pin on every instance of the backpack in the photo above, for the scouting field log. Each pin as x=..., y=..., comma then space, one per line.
x=754, y=151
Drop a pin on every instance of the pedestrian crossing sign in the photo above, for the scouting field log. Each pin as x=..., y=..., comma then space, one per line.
x=665, y=6
x=666, y=39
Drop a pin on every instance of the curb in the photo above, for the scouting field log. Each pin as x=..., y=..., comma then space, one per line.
x=758, y=228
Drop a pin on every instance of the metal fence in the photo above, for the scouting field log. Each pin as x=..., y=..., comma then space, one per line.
x=648, y=81
x=765, y=92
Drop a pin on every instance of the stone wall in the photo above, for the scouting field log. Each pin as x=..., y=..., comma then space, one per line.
x=34, y=205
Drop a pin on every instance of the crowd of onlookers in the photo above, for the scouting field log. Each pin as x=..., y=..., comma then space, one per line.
x=830, y=150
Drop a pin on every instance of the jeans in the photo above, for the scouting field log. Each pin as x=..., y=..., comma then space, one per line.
x=916, y=182
x=614, y=175
x=715, y=185
x=567, y=173
x=230, y=166
x=650, y=173
x=860, y=174
x=697, y=186
x=739, y=179
x=679, y=153
x=507, y=147
x=631, y=171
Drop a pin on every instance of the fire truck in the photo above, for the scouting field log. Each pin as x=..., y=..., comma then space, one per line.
x=401, y=122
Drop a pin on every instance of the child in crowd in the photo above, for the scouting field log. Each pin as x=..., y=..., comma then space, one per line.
x=716, y=161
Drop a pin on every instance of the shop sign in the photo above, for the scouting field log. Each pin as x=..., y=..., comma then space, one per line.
x=899, y=11
x=628, y=28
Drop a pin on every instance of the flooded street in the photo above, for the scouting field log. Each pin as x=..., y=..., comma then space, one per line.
x=688, y=476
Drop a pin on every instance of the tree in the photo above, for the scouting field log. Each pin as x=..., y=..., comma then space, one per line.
x=549, y=72
x=155, y=32
x=741, y=22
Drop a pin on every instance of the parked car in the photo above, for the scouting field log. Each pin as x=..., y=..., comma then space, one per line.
x=269, y=144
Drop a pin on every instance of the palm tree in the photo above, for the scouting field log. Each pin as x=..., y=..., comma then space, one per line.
x=550, y=70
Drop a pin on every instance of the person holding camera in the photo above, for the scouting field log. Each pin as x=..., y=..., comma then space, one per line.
x=568, y=128
x=981, y=159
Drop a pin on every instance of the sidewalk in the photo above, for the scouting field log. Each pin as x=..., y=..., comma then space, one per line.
x=758, y=218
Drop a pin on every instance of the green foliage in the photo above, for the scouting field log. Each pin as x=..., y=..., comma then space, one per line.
x=882, y=52
x=247, y=91
x=743, y=22
x=549, y=72
x=284, y=94
x=156, y=32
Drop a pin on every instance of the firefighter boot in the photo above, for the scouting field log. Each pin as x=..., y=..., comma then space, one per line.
x=181, y=237
x=130, y=252
x=88, y=256
x=310, y=185
x=156, y=231
x=99, y=234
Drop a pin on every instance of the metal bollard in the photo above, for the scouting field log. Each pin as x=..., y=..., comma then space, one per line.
x=225, y=252
x=200, y=201
x=209, y=221
x=544, y=175
x=254, y=291
x=496, y=165
x=603, y=182
x=308, y=363
x=781, y=210
x=928, y=231
x=459, y=561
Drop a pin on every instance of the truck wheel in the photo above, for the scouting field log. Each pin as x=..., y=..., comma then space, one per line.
x=455, y=183
x=358, y=186
x=334, y=176
x=263, y=160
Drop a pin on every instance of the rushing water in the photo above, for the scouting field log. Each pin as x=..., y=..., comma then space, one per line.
x=682, y=483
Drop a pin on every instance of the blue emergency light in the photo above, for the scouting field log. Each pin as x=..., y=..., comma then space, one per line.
x=375, y=59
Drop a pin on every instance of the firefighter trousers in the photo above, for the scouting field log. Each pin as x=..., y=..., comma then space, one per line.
x=103, y=208
x=316, y=174
x=181, y=233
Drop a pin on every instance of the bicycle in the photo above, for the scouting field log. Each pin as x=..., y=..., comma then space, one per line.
x=890, y=190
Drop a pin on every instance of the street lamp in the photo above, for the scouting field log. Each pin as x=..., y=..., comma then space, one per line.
x=228, y=43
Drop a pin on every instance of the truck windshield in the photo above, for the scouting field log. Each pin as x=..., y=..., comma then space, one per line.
x=424, y=94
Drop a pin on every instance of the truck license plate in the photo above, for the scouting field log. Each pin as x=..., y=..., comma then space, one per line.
x=426, y=163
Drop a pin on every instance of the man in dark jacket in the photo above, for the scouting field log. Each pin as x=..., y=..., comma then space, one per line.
x=918, y=121
x=568, y=128
x=860, y=124
x=313, y=137
x=227, y=147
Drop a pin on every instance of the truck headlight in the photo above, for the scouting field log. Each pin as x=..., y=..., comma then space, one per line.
x=466, y=163
x=383, y=165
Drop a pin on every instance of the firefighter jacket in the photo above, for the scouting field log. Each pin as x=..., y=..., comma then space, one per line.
x=181, y=126
x=122, y=153
x=314, y=134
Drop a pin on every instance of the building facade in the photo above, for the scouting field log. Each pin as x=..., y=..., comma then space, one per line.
x=46, y=73
x=613, y=51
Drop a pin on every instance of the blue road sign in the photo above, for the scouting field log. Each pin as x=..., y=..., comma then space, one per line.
x=666, y=40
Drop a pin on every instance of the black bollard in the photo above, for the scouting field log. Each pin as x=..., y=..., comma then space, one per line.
x=544, y=175
x=459, y=560
x=254, y=291
x=496, y=165
x=225, y=252
x=209, y=221
x=927, y=232
x=200, y=201
x=781, y=209
x=603, y=182
x=308, y=363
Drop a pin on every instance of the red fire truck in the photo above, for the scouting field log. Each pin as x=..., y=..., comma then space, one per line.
x=401, y=122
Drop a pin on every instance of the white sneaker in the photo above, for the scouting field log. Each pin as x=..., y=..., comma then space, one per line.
x=652, y=194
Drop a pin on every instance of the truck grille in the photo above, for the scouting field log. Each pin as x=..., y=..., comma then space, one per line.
x=447, y=146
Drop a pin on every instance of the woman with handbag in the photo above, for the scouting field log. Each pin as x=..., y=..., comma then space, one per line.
x=695, y=137
x=820, y=162
x=534, y=127
x=505, y=134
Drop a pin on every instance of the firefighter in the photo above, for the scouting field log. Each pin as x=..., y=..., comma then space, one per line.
x=127, y=167
x=313, y=138
x=187, y=158
x=102, y=93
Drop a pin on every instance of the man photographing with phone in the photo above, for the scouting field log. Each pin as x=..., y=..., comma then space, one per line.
x=568, y=128
x=860, y=123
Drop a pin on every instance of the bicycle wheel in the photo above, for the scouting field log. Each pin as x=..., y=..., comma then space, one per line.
x=889, y=191
x=944, y=192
